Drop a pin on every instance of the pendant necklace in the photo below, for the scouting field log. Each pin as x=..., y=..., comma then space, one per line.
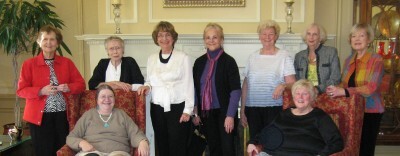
x=106, y=125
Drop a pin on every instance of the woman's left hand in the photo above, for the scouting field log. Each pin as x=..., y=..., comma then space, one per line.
x=143, y=148
x=229, y=124
x=63, y=88
x=184, y=118
x=334, y=91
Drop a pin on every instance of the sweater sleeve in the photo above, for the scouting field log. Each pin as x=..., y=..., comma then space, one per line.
x=134, y=133
x=331, y=135
x=99, y=75
x=188, y=80
x=334, y=75
x=77, y=134
x=76, y=83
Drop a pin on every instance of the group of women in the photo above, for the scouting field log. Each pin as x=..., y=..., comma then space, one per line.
x=207, y=93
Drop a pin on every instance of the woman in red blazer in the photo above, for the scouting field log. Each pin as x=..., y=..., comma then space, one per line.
x=44, y=82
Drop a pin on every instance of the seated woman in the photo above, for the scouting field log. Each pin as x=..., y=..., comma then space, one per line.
x=106, y=130
x=302, y=130
x=116, y=71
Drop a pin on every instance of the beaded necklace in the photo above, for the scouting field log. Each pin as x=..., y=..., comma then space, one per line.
x=106, y=125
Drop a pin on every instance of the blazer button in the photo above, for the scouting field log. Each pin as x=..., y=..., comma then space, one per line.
x=38, y=122
x=41, y=111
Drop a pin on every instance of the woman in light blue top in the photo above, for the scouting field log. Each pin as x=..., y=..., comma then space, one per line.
x=268, y=72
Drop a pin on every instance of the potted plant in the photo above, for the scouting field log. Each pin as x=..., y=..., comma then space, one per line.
x=20, y=22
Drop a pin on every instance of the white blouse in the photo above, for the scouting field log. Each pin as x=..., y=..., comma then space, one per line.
x=171, y=83
x=114, y=74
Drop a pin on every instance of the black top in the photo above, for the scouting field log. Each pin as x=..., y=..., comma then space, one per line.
x=130, y=72
x=227, y=79
x=312, y=134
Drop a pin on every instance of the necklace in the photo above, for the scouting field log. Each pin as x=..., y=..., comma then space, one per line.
x=312, y=60
x=167, y=59
x=106, y=125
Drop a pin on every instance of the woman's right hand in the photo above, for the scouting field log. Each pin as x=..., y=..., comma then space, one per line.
x=251, y=148
x=48, y=90
x=143, y=90
x=86, y=146
x=143, y=148
x=243, y=119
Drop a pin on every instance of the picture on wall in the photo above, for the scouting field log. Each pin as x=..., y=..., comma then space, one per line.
x=203, y=3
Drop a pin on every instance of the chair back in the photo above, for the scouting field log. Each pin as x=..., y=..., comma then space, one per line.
x=130, y=102
x=346, y=112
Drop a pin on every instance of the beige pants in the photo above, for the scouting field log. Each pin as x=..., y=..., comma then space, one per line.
x=115, y=153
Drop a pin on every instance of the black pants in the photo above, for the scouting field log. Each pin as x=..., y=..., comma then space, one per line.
x=259, y=117
x=369, y=133
x=219, y=142
x=171, y=137
x=50, y=136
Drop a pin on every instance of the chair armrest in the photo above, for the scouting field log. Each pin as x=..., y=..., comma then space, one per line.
x=65, y=151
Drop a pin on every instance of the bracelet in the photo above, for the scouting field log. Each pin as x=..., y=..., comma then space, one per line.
x=195, y=115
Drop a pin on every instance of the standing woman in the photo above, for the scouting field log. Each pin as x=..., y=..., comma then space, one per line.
x=362, y=74
x=117, y=71
x=44, y=82
x=318, y=63
x=170, y=79
x=217, y=82
x=268, y=72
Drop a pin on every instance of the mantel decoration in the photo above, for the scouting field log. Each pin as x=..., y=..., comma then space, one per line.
x=203, y=3
x=20, y=22
x=117, y=13
x=289, y=16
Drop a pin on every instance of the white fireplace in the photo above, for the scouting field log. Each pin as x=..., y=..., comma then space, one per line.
x=239, y=46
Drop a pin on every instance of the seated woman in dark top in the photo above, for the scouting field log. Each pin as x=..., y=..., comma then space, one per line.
x=302, y=130
x=116, y=71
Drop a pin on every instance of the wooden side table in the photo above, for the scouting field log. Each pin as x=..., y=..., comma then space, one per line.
x=22, y=147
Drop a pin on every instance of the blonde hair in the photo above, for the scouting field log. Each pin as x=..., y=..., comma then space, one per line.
x=215, y=26
x=269, y=24
x=304, y=83
x=362, y=26
x=322, y=32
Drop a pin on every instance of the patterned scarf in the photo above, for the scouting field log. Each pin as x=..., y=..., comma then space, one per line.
x=207, y=92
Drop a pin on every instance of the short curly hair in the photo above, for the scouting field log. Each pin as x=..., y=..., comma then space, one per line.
x=48, y=29
x=269, y=24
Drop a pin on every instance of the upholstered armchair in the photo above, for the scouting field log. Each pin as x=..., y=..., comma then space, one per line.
x=130, y=102
x=347, y=113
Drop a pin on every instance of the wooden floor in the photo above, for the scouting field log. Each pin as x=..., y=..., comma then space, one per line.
x=387, y=150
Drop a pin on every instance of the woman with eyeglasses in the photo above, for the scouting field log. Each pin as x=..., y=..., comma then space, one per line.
x=170, y=80
x=116, y=71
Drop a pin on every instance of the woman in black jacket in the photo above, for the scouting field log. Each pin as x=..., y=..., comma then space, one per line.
x=116, y=71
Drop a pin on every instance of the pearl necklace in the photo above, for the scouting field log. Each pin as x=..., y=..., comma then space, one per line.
x=106, y=125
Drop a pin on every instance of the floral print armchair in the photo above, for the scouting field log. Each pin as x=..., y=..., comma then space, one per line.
x=130, y=102
x=347, y=113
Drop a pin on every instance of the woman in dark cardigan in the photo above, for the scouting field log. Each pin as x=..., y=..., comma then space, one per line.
x=217, y=86
x=116, y=71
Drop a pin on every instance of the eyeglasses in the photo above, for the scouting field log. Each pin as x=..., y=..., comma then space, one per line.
x=114, y=48
x=166, y=35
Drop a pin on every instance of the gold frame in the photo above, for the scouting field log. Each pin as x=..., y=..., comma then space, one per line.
x=203, y=3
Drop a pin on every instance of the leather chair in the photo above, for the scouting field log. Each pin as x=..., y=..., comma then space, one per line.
x=133, y=104
x=347, y=113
